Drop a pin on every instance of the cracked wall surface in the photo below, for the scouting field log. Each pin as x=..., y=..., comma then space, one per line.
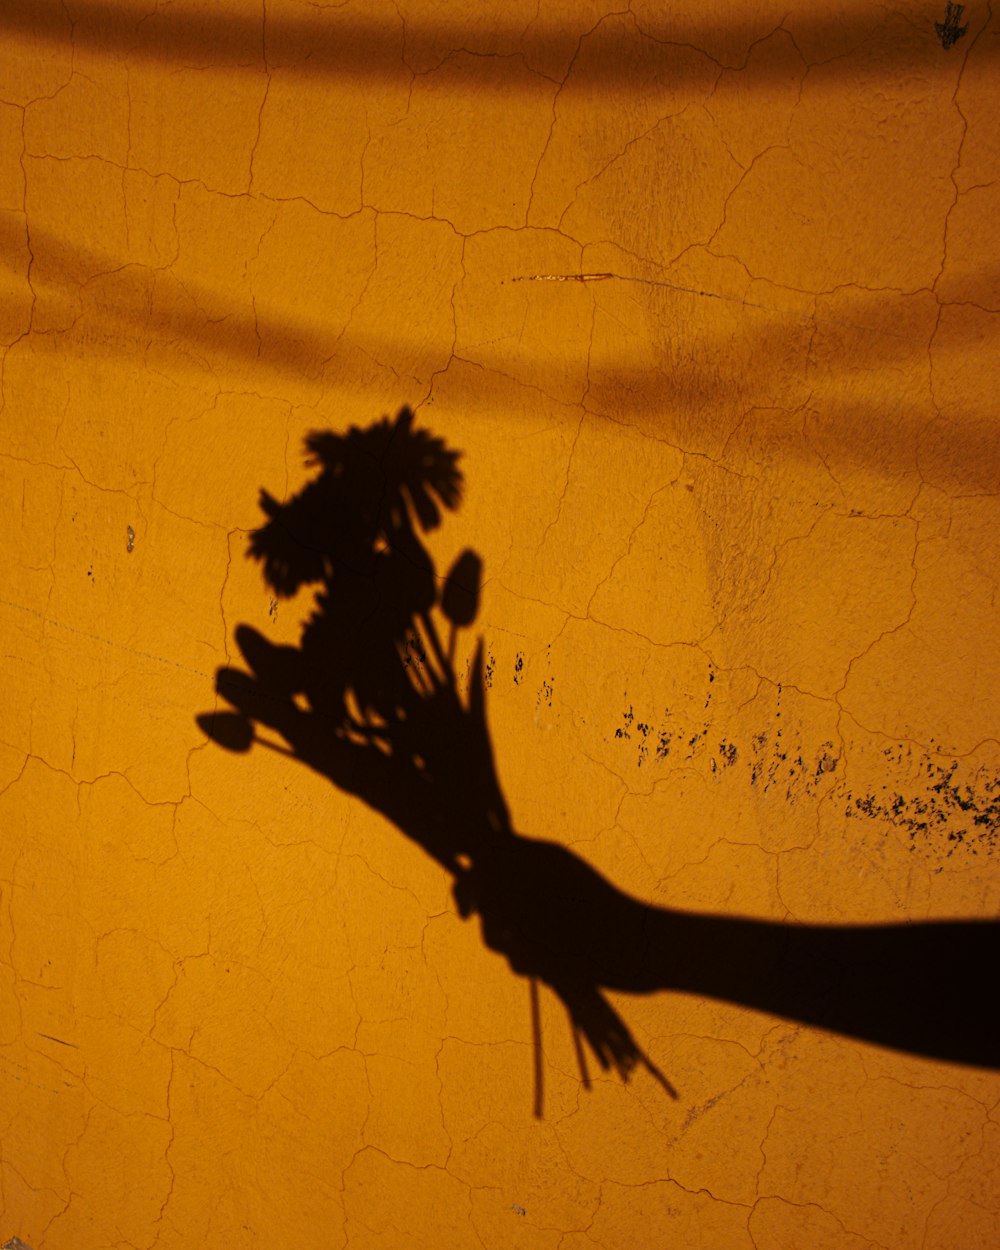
x=708, y=296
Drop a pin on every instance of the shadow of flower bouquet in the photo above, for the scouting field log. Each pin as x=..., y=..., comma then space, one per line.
x=370, y=699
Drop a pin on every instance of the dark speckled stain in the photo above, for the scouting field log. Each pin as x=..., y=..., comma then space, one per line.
x=728, y=755
x=548, y=683
x=942, y=806
x=644, y=732
x=625, y=729
x=415, y=656
x=950, y=30
x=945, y=806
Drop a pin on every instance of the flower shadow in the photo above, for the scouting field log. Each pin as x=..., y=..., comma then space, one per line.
x=370, y=700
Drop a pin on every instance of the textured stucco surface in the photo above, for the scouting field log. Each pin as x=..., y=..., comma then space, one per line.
x=737, y=496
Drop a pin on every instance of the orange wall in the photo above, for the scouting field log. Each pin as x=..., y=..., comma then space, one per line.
x=737, y=496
